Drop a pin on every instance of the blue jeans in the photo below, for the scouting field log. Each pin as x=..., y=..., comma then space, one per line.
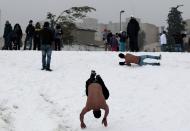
x=122, y=46
x=141, y=62
x=163, y=48
x=46, y=51
x=28, y=42
x=178, y=48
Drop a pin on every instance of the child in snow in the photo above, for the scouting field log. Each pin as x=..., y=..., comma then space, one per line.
x=97, y=94
x=129, y=58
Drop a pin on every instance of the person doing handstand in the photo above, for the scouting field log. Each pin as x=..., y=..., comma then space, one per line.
x=97, y=94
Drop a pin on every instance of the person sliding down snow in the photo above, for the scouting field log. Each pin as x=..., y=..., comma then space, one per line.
x=129, y=58
x=97, y=94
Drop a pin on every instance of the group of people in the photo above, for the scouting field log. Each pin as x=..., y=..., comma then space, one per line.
x=43, y=39
x=178, y=39
x=13, y=37
x=118, y=41
x=97, y=92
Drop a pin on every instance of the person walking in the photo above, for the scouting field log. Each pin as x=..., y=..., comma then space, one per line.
x=47, y=38
x=132, y=32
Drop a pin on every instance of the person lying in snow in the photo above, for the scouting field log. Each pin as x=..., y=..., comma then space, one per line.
x=129, y=58
x=97, y=94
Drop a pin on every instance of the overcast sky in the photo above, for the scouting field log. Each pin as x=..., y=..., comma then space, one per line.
x=150, y=11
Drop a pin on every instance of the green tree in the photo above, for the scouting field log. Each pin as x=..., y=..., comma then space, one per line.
x=175, y=24
x=67, y=20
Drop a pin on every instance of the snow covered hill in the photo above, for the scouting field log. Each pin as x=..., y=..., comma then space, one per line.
x=147, y=98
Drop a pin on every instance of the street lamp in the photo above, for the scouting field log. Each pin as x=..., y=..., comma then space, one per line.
x=122, y=11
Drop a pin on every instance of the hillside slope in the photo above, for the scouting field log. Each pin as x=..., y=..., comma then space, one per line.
x=147, y=98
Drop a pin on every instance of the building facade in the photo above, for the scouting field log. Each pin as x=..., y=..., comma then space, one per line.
x=90, y=23
x=187, y=39
x=84, y=36
x=187, y=27
x=151, y=42
x=151, y=31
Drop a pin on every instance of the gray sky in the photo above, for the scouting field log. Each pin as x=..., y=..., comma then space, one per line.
x=150, y=11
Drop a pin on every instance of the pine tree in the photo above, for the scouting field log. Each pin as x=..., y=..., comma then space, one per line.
x=175, y=24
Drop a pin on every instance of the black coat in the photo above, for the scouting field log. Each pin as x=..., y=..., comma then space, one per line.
x=7, y=30
x=47, y=36
x=133, y=28
x=37, y=33
x=30, y=30
x=16, y=35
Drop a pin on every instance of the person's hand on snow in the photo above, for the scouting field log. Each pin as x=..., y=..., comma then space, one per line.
x=104, y=122
x=82, y=125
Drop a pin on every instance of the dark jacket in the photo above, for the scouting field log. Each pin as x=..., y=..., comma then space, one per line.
x=47, y=36
x=109, y=37
x=16, y=35
x=133, y=28
x=7, y=30
x=178, y=37
x=37, y=33
x=58, y=33
x=114, y=41
x=30, y=30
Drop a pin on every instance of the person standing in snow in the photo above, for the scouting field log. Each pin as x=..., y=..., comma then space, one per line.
x=139, y=60
x=58, y=37
x=104, y=38
x=163, y=41
x=47, y=38
x=16, y=37
x=122, y=41
x=7, y=36
x=97, y=94
x=114, y=43
x=37, y=36
x=132, y=32
x=30, y=29
x=109, y=36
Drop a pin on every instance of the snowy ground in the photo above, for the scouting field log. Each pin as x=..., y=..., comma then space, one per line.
x=147, y=98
